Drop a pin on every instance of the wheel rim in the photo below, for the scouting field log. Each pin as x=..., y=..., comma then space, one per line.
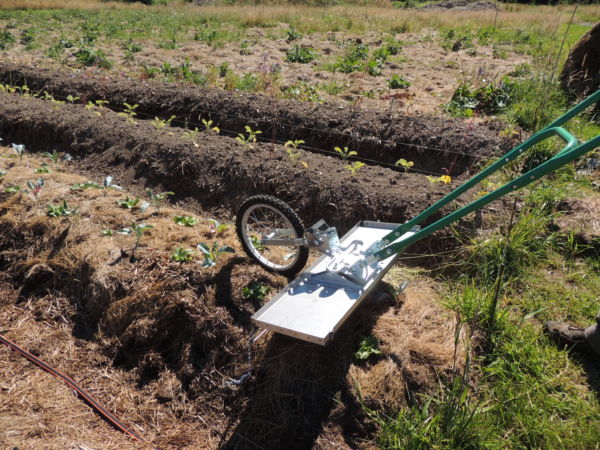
x=260, y=220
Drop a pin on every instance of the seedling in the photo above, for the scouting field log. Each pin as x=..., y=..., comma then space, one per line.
x=86, y=185
x=72, y=99
x=353, y=168
x=157, y=199
x=256, y=291
x=58, y=158
x=106, y=232
x=293, y=35
x=43, y=169
x=182, y=254
x=13, y=189
x=61, y=210
x=369, y=345
x=257, y=243
x=405, y=164
x=186, y=221
x=345, y=153
x=398, y=82
x=212, y=254
x=247, y=140
x=208, y=126
x=191, y=134
x=300, y=54
x=19, y=149
x=129, y=112
x=442, y=179
x=128, y=203
x=138, y=231
x=108, y=184
x=162, y=123
x=215, y=227
x=293, y=152
x=35, y=187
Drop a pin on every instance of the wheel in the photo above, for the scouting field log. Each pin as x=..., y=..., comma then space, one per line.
x=259, y=216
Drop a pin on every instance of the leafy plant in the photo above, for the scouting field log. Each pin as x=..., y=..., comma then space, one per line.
x=6, y=39
x=106, y=232
x=369, y=345
x=405, y=164
x=257, y=243
x=35, y=187
x=182, y=254
x=251, y=136
x=162, y=123
x=212, y=254
x=186, y=221
x=300, y=54
x=157, y=199
x=138, y=231
x=215, y=227
x=398, y=82
x=490, y=98
x=208, y=126
x=442, y=179
x=128, y=203
x=345, y=153
x=292, y=35
x=129, y=112
x=58, y=158
x=92, y=57
x=256, y=291
x=353, y=168
x=19, y=149
x=43, y=169
x=72, y=99
x=13, y=189
x=293, y=153
x=61, y=210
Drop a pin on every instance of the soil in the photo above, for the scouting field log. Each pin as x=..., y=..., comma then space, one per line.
x=156, y=341
x=580, y=217
x=436, y=145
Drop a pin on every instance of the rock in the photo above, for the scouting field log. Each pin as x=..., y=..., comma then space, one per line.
x=580, y=76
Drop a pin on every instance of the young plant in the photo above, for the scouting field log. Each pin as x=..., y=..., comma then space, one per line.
x=108, y=184
x=212, y=254
x=215, y=227
x=353, y=168
x=159, y=124
x=293, y=153
x=43, y=169
x=19, y=149
x=300, y=54
x=442, y=179
x=61, y=210
x=129, y=112
x=157, y=199
x=35, y=187
x=406, y=165
x=369, y=345
x=182, y=254
x=257, y=243
x=256, y=291
x=186, y=221
x=345, y=153
x=58, y=158
x=138, y=231
x=191, y=134
x=251, y=137
x=86, y=185
x=128, y=203
x=13, y=189
x=208, y=126
x=398, y=82
x=72, y=99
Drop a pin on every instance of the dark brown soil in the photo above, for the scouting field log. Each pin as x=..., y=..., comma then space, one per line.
x=217, y=172
x=434, y=144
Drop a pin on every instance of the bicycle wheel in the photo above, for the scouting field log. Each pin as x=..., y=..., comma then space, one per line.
x=260, y=216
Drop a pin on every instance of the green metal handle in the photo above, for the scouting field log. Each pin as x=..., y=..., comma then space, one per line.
x=570, y=152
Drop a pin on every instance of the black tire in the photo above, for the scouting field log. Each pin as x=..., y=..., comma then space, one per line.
x=275, y=213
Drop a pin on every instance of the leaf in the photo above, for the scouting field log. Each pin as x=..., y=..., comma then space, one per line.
x=226, y=249
x=125, y=231
x=144, y=206
x=209, y=262
x=203, y=248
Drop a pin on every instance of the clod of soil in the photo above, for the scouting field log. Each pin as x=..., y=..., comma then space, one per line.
x=580, y=76
x=434, y=144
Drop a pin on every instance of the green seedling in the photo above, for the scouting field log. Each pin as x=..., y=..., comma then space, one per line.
x=61, y=210
x=398, y=82
x=43, y=169
x=300, y=54
x=293, y=153
x=157, y=199
x=128, y=203
x=86, y=185
x=215, y=227
x=138, y=231
x=406, y=165
x=251, y=137
x=182, y=254
x=106, y=232
x=35, y=187
x=292, y=35
x=58, y=158
x=353, y=168
x=345, y=153
x=108, y=184
x=186, y=221
x=72, y=99
x=257, y=243
x=256, y=291
x=159, y=124
x=208, y=126
x=442, y=179
x=212, y=254
x=129, y=112
x=19, y=150
x=191, y=134
x=13, y=189
x=369, y=345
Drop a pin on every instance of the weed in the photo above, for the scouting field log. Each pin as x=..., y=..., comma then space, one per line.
x=250, y=138
x=398, y=82
x=300, y=54
x=333, y=88
x=182, y=255
x=212, y=254
x=256, y=291
x=61, y=210
x=186, y=221
x=6, y=39
x=353, y=60
x=13, y=189
x=406, y=165
x=303, y=92
x=345, y=153
x=369, y=345
x=43, y=169
x=353, y=168
x=58, y=158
